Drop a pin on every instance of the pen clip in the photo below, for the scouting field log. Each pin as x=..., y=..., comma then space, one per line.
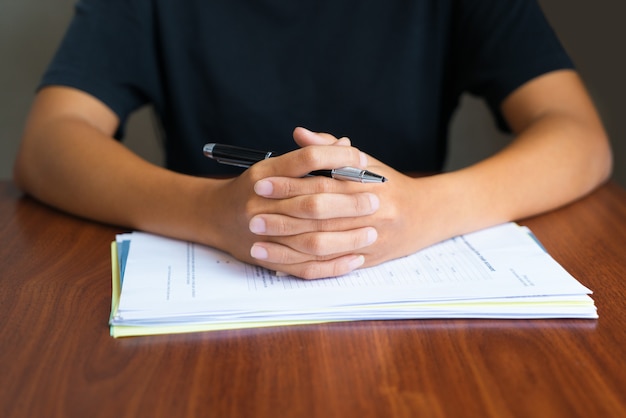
x=235, y=163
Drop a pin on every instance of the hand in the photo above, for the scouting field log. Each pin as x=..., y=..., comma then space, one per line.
x=318, y=243
x=306, y=204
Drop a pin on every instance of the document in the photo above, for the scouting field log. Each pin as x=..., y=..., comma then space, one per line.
x=161, y=285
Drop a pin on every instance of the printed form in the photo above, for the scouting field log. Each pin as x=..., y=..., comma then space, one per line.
x=170, y=277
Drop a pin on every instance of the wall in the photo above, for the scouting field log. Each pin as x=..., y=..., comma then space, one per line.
x=593, y=33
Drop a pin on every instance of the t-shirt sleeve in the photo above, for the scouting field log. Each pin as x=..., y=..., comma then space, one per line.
x=107, y=53
x=503, y=44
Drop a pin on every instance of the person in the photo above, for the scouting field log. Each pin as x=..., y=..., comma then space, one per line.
x=370, y=84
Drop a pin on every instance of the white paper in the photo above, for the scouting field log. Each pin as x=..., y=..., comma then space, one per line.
x=498, y=272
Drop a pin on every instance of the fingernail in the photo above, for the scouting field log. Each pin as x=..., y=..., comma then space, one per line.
x=344, y=141
x=374, y=202
x=372, y=235
x=363, y=157
x=257, y=225
x=263, y=188
x=258, y=252
x=307, y=131
x=356, y=262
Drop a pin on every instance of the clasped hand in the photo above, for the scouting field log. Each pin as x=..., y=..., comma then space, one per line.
x=315, y=227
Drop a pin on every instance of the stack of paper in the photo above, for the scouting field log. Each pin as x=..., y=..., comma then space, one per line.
x=162, y=285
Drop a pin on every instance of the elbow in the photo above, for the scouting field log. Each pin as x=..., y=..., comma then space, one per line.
x=604, y=160
x=25, y=168
x=596, y=164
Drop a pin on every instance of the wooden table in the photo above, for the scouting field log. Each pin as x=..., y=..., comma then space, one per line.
x=58, y=360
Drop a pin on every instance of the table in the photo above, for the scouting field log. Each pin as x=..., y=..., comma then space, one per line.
x=58, y=360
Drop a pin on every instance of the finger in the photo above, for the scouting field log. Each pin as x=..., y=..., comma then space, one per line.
x=322, y=269
x=286, y=187
x=313, y=246
x=317, y=157
x=328, y=206
x=343, y=141
x=304, y=137
x=302, y=161
x=280, y=225
x=311, y=220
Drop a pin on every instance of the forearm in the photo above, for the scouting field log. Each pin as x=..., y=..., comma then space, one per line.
x=76, y=168
x=555, y=161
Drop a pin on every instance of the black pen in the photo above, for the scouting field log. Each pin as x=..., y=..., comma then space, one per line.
x=245, y=157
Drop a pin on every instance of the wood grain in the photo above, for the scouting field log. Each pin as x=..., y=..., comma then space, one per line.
x=58, y=360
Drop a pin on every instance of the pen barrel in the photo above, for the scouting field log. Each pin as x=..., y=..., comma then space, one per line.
x=237, y=156
x=245, y=157
x=350, y=174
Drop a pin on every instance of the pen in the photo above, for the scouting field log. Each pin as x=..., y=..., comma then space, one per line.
x=245, y=157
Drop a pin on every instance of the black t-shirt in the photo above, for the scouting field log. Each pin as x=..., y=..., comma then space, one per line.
x=386, y=73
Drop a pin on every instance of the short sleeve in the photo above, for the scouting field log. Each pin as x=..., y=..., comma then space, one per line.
x=503, y=44
x=108, y=52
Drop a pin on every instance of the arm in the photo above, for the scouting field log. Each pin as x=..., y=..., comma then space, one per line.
x=560, y=153
x=69, y=160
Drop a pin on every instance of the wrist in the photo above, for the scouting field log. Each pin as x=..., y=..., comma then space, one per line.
x=178, y=206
